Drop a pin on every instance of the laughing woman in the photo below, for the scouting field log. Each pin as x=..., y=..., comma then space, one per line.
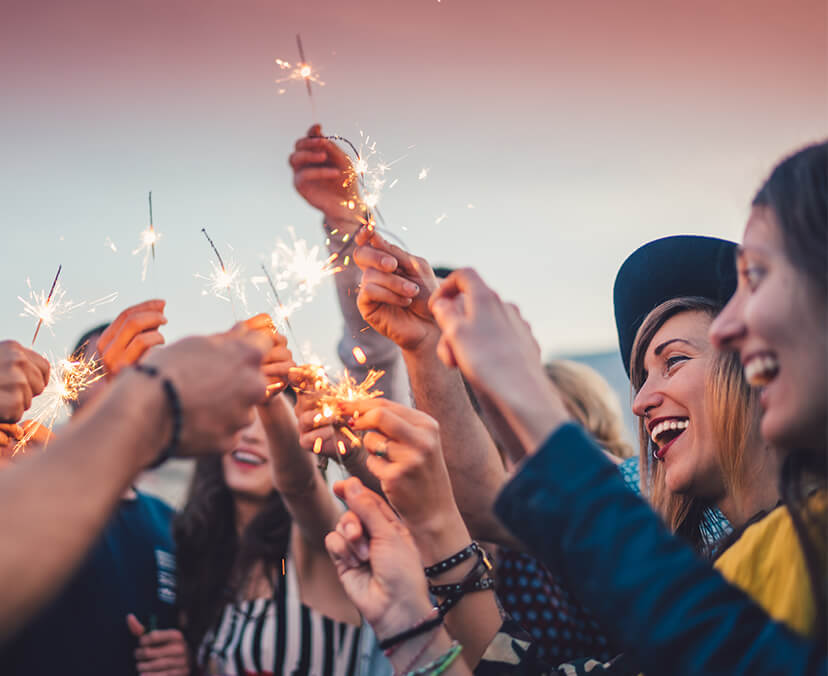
x=257, y=591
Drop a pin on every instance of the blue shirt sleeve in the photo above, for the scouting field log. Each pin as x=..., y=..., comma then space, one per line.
x=667, y=608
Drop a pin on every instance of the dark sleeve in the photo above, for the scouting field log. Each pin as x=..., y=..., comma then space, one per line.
x=662, y=604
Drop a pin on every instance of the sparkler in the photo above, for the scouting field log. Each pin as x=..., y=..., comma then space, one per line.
x=224, y=280
x=282, y=310
x=45, y=312
x=148, y=239
x=68, y=377
x=299, y=71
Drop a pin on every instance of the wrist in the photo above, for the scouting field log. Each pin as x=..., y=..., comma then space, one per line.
x=146, y=407
x=440, y=537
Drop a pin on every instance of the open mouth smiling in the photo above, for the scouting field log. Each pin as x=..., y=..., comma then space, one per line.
x=664, y=431
x=760, y=369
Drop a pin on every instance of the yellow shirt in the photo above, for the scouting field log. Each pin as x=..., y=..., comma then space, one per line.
x=768, y=564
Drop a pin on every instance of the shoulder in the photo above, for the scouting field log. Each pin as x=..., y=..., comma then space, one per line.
x=155, y=506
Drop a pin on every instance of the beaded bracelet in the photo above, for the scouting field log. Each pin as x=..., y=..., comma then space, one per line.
x=175, y=409
x=453, y=560
x=439, y=665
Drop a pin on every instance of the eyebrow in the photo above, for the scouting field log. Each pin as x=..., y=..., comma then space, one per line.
x=661, y=347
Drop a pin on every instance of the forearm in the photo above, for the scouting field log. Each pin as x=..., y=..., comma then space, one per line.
x=476, y=471
x=475, y=619
x=53, y=505
x=572, y=508
x=299, y=482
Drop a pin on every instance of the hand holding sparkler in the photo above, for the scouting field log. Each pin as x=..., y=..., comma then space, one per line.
x=131, y=335
x=481, y=332
x=278, y=361
x=393, y=296
x=324, y=176
x=23, y=375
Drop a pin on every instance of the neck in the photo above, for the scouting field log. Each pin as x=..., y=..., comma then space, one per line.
x=760, y=486
x=246, y=510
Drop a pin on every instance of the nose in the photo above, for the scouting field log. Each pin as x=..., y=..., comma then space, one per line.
x=646, y=399
x=728, y=329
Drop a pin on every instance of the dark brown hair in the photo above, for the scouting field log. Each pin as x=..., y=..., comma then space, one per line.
x=213, y=562
x=797, y=194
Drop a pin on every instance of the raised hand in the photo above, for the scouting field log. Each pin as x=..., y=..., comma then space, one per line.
x=393, y=296
x=219, y=380
x=23, y=375
x=323, y=175
x=162, y=652
x=126, y=340
x=279, y=360
x=377, y=561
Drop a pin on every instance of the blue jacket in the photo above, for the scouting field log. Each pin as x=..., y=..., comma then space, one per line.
x=670, y=610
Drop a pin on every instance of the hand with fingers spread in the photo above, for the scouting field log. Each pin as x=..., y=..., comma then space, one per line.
x=161, y=651
x=324, y=176
x=494, y=348
x=393, y=296
x=126, y=340
x=219, y=381
x=23, y=375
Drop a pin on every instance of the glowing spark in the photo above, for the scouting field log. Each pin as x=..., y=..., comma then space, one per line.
x=470, y=206
x=149, y=238
x=317, y=445
x=47, y=308
x=423, y=175
x=223, y=281
x=440, y=218
x=359, y=355
x=68, y=377
x=341, y=446
x=302, y=71
x=109, y=243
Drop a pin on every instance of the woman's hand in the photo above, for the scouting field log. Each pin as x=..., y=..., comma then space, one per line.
x=393, y=295
x=404, y=453
x=23, y=375
x=126, y=340
x=162, y=652
x=495, y=350
x=324, y=176
x=377, y=562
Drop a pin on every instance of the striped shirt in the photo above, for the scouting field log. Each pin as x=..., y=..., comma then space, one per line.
x=279, y=635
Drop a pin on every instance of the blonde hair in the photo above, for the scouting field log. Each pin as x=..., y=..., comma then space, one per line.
x=591, y=401
x=734, y=413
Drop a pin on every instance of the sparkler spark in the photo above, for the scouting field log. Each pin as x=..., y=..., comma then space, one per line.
x=149, y=237
x=302, y=71
x=43, y=308
x=68, y=377
x=223, y=281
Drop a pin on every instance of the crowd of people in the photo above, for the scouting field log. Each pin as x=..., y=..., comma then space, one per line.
x=495, y=521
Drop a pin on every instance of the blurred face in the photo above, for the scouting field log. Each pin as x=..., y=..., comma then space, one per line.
x=672, y=403
x=247, y=468
x=776, y=321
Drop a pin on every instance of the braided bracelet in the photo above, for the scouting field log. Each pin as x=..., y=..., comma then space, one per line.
x=439, y=665
x=175, y=410
x=416, y=630
x=453, y=560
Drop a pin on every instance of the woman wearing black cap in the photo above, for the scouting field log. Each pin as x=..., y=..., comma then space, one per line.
x=667, y=608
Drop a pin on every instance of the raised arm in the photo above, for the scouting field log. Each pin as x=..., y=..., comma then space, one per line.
x=393, y=299
x=53, y=504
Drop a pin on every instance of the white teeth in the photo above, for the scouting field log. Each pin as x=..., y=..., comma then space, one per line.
x=761, y=370
x=250, y=458
x=665, y=425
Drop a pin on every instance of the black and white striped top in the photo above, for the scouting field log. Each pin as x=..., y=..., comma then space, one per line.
x=279, y=635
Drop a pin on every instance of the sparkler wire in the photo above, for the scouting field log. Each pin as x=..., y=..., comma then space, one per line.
x=46, y=304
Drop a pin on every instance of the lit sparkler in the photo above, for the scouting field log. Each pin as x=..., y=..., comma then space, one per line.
x=43, y=306
x=68, y=377
x=224, y=281
x=302, y=71
x=149, y=237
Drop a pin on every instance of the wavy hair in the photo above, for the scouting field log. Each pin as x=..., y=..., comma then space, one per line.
x=213, y=562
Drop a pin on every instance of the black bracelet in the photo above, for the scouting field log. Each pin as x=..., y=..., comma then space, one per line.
x=416, y=630
x=450, y=601
x=453, y=560
x=175, y=410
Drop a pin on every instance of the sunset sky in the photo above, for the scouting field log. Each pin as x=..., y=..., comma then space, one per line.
x=576, y=132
